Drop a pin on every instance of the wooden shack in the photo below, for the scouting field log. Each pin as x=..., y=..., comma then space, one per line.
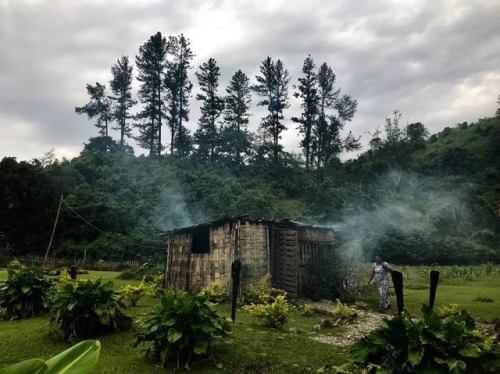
x=202, y=254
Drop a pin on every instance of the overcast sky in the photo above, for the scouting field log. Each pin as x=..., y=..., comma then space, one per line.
x=438, y=62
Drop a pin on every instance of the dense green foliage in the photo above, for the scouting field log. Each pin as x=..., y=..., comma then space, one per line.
x=448, y=344
x=88, y=308
x=81, y=359
x=25, y=293
x=180, y=327
x=413, y=200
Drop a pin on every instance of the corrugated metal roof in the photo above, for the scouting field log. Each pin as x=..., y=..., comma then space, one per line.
x=250, y=219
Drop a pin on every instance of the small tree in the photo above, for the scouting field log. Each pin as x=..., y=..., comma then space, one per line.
x=98, y=108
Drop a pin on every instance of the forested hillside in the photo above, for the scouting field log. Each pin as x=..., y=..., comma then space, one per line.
x=413, y=197
x=414, y=200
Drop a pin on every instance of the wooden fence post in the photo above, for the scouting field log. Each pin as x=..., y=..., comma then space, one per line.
x=397, y=280
x=235, y=275
x=433, y=287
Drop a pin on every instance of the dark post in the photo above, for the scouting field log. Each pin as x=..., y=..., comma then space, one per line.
x=433, y=287
x=72, y=272
x=397, y=280
x=235, y=275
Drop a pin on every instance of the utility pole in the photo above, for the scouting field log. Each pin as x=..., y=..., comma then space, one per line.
x=53, y=230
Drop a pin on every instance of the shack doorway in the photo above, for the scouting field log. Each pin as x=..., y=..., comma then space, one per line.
x=285, y=243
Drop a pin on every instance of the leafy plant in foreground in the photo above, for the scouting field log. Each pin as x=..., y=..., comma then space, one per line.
x=434, y=344
x=25, y=293
x=87, y=308
x=274, y=314
x=81, y=359
x=180, y=327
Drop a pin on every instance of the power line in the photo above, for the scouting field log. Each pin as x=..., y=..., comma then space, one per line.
x=106, y=233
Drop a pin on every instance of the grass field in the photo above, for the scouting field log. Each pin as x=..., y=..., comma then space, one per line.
x=253, y=349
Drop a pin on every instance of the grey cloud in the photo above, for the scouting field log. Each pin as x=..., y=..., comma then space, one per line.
x=436, y=61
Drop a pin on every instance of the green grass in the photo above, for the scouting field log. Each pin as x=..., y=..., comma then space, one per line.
x=253, y=349
x=450, y=291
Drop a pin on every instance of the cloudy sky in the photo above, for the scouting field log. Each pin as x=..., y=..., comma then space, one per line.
x=438, y=62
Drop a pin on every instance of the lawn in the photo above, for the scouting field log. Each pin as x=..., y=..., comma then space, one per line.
x=253, y=349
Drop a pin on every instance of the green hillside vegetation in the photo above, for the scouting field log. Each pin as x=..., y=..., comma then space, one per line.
x=446, y=188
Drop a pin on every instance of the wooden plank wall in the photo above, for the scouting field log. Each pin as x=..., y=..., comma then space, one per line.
x=285, y=257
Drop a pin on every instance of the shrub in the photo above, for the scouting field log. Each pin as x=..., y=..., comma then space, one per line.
x=15, y=264
x=261, y=291
x=307, y=310
x=87, y=308
x=81, y=359
x=132, y=294
x=343, y=313
x=216, y=292
x=180, y=327
x=25, y=293
x=154, y=285
x=448, y=310
x=433, y=344
x=273, y=314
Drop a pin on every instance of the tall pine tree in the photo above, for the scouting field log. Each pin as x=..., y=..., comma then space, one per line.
x=98, y=108
x=272, y=87
x=308, y=93
x=121, y=86
x=334, y=111
x=179, y=89
x=236, y=140
x=208, y=135
x=151, y=65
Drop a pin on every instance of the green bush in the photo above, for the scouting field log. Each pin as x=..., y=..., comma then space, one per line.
x=25, y=293
x=81, y=359
x=132, y=294
x=216, y=292
x=434, y=344
x=154, y=285
x=87, y=308
x=261, y=291
x=274, y=314
x=343, y=313
x=180, y=327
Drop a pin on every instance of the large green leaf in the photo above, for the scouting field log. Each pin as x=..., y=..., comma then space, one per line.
x=31, y=366
x=79, y=359
x=470, y=350
x=174, y=335
x=415, y=355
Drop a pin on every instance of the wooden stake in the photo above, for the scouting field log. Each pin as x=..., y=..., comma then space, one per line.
x=53, y=230
x=235, y=275
x=433, y=287
x=397, y=280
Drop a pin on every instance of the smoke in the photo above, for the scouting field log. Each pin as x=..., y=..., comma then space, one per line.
x=172, y=211
x=405, y=203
